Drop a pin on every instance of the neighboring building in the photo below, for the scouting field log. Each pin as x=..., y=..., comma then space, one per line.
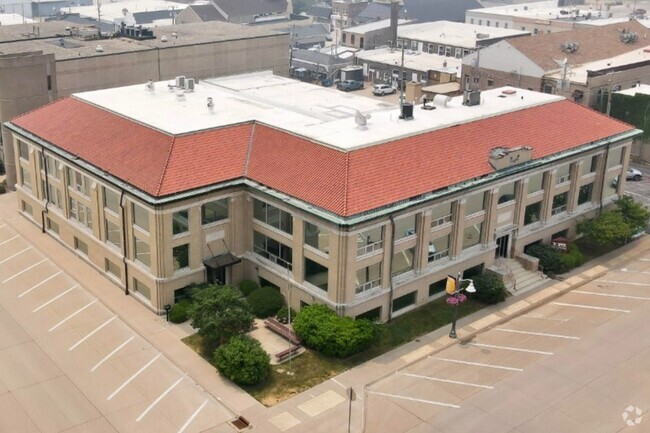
x=377, y=11
x=308, y=36
x=449, y=39
x=383, y=65
x=309, y=65
x=438, y=10
x=631, y=106
x=146, y=13
x=596, y=57
x=279, y=181
x=199, y=14
x=252, y=11
x=37, y=65
x=552, y=16
x=321, y=13
x=371, y=35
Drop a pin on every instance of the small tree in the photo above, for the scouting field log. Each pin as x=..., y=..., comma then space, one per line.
x=607, y=230
x=265, y=301
x=634, y=213
x=550, y=258
x=243, y=360
x=219, y=313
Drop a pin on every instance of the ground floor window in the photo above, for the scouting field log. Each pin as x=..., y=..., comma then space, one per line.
x=437, y=287
x=142, y=288
x=473, y=271
x=81, y=246
x=316, y=274
x=113, y=269
x=52, y=226
x=373, y=315
x=266, y=283
x=404, y=301
x=27, y=208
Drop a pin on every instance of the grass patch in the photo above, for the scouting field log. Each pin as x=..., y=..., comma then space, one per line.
x=203, y=347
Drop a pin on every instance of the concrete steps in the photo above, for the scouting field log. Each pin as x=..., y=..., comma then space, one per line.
x=523, y=280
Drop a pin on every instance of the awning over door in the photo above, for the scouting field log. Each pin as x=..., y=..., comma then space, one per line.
x=221, y=261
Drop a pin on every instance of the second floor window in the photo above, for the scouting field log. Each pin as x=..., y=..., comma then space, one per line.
x=81, y=213
x=272, y=250
x=180, y=222
x=140, y=217
x=78, y=182
x=272, y=216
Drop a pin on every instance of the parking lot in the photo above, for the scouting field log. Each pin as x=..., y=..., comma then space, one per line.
x=68, y=363
x=576, y=364
x=640, y=190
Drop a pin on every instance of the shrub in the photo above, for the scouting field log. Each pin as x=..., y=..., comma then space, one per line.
x=322, y=330
x=3, y=187
x=247, y=286
x=243, y=361
x=178, y=313
x=489, y=289
x=573, y=257
x=549, y=257
x=265, y=301
x=283, y=315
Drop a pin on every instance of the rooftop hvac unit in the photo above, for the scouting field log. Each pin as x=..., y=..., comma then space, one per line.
x=471, y=98
x=189, y=84
x=407, y=111
x=180, y=81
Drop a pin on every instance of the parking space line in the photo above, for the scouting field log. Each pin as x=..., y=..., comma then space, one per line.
x=24, y=270
x=437, y=379
x=609, y=295
x=55, y=298
x=71, y=316
x=9, y=240
x=477, y=364
x=15, y=255
x=419, y=400
x=530, y=316
x=194, y=415
x=626, y=270
x=160, y=397
x=514, y=349
x=132, y=378
x=93, y=332
x=539, y=334
x=591, y=307
x=644, y=260
x=104, y=359
x=623, y=282
x=3, y=225
x=39, y=284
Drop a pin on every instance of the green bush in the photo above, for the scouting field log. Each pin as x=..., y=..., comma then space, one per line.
x=265, y=301
x=243, y=360
x=489, y=289
x=283, y=315
x=178, y=313
x=549, y=258
x=3, y=187
x=247, y=286
x=573, y=257
x=322, y=330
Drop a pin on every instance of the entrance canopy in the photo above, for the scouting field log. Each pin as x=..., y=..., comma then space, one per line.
x=221, y=261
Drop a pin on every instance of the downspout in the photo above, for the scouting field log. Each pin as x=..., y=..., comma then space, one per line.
x=602, y=182
x=390, y=267
x=126, y=267
x=47, y=190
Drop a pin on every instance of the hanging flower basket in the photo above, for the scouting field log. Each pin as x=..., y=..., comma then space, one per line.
x=456, y=299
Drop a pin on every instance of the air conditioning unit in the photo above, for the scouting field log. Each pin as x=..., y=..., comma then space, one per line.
x=471, y=97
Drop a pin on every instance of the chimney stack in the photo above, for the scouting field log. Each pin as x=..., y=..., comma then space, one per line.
x=394, y=12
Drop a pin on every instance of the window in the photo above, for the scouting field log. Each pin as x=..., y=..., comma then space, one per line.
x=448, y=51
x=111, y=200
x=458, y=53
x=26, y=176
x=480, y=22
x=548, y=89
x=53, y=167
x=405, y=227
x=505, y=25
x=370, y=240
x=52, y=226
x=441, y=215
x=181, y=255
x=615, y=157
x=78, y=182
x=496, y=24
x=403, y=261
x=80, y=246
x=563, y=174
x=54, y=196
x=507, y=193
x=140, y=217
x=431, y=48
x=142, y=252
x=272, y=250
x=368, y=278
x=113, y=233
x=535, y=183
x=487, y=23
x=316, y=238
x=180, y=222
x=113, y=269
x=532, y=214
x=472, y=235
x=27, y=208
x=80, y=213
x=585, y=193
x=559, y=203
x=438, y=248
x=404, y=301
x=316, y=274
x=611, y=186
x=471, y=20
x=214, y=211
x=588, y=165
x=141, y=288
x=437, y=287
x=372, y=315
x=344, y=37
x=23, y=150
x=490, y=82
x=441, y=50
x=475, y=203
x=272, y=216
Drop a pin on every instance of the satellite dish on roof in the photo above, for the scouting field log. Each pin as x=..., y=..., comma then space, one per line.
x=125, y=11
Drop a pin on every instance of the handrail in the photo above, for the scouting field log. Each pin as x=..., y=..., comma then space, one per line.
x=509, y=274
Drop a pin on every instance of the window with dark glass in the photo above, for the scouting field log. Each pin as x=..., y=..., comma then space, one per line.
x=403, y=261
x=180, y=222
x=316, y=274
x=506, y=193
x=214, y=211
x=439, y=248
x=404, y=301
x=181, y=255
x=368, y=278
x=532, y=214
x=560, y=203
x=585, y=193
x=316, y=237
x=272, y=216
x=272, y=250
x=370, y=240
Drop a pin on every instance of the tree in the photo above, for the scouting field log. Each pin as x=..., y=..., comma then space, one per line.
x=634, y=213
x=219, y=313
x=607, y=230
x=243, y=360
x=265, y=301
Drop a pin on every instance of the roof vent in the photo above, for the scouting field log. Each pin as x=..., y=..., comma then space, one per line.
x=441, y=100
x=180, y=81
x=570, y=47
x=210, y=104
x=509, y=92
x=150, y=86
x=628, y=37
x=361, y=120
x=99, y=49
x=163, y=38
x=472, y=98
x=482, y=35
x=175, y=35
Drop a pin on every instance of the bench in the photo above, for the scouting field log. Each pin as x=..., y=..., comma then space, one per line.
x=282, y=330
x=281, y=356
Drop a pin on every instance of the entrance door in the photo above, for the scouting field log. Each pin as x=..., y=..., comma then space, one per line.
x=217, y=276
x=502, y=246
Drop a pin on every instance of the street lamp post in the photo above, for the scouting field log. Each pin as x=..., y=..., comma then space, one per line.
x=456, y=296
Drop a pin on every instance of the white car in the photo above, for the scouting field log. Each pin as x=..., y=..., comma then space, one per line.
x=633, y=174
x=383, y=89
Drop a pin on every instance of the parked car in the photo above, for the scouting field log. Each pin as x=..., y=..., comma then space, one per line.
x=633, y=174
x=348, y=85
x=383, y=89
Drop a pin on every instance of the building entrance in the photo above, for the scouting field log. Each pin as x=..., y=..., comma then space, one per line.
x=502, y=246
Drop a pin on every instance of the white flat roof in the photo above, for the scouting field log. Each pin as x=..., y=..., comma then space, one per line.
x=325, y=115
x=643, y=89
x=110, y=11
x=9, y=19
x=455, y=34
x=375, y=25
x=413, y=60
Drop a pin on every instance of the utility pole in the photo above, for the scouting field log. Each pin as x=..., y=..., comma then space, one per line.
x=99, y=19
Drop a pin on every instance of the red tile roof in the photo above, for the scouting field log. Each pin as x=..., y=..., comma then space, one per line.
x=345, y=183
